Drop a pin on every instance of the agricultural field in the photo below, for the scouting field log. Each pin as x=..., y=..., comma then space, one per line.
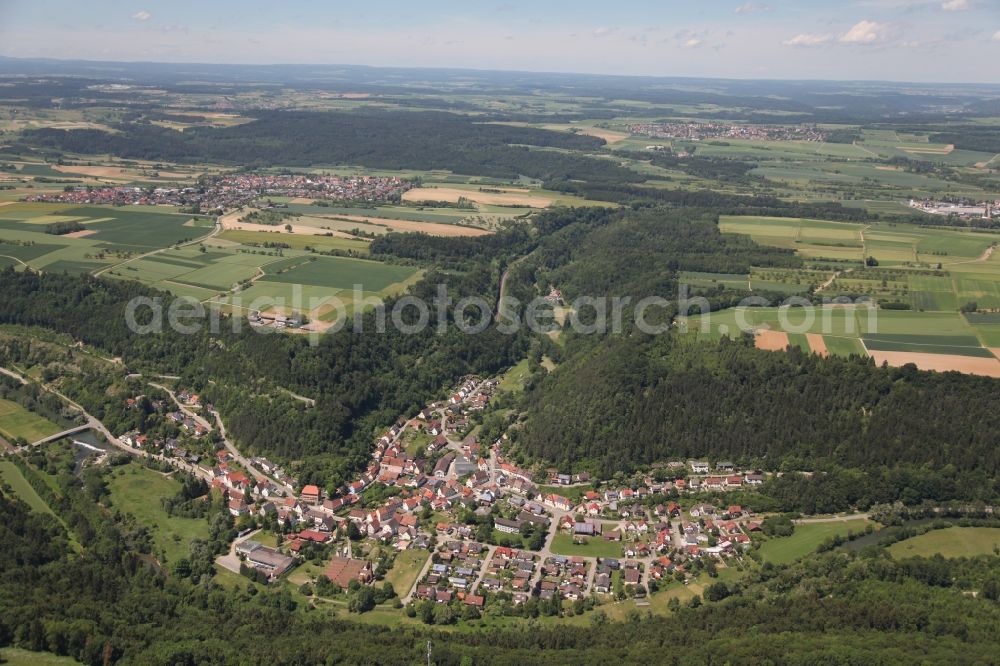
x=949, y=542
x=17, y=422
x=312, y=220
x=137, y=490
x=12, y=476
x=110, y=234
x=316, y=285
x=932, y=340
x=806, y=538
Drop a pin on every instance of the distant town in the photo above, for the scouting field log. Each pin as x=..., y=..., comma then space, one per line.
x=235, y=190
x=701, y=131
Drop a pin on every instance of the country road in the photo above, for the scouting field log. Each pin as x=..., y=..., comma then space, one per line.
x=240, y=458
x=94, y=424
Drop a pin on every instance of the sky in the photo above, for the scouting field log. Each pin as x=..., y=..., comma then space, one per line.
x=893, y=40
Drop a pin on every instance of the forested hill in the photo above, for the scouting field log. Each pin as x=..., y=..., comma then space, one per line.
x=638, y=253
x=631, y=401
x=385, y=140
x=621, y=401
x=361, y=381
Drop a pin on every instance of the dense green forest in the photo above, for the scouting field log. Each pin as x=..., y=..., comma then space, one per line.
x=361, y=381
x=632, y=400
x=386, y=140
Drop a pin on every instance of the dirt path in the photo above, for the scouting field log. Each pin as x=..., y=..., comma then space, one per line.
x=7, y=256
x=454, y=194
x=985, y=256
x=833, y=519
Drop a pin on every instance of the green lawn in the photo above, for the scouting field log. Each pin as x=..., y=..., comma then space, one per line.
x=19, y=657
x=138, y=491
x=806, y=538
x=949, y=542
x=513, y=380
x=12, y=476
x=562, y=544
x=405, y=570
x=16, y=421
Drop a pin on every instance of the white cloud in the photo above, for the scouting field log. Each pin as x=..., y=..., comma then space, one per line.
x=604, y=31
x=955, y=5
x=693, y=43
x=807, y=39
x=865, y=32
x=142, y=16
x=751, y=7
x=996, y=36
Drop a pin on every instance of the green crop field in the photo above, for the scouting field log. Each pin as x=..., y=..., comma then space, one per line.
x=138, y=491
x=12, y=476
x=295, y=241
x=927, y=344
x=343, y=273
x=949, y=542
x=113, y=234
x=987, y=326
x=843, y=346
x=16, y=421
x=805, y=540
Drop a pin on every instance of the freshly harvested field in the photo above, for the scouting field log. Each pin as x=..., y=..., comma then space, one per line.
x=95, y=171
x=431, y=228
x=493, y=198
x=929, y=149
x=80, y=234
x=817, y=344
x=971, y=365
x=609, y=136
x=771, y=340
x=231, y=221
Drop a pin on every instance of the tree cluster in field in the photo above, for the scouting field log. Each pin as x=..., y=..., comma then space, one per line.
x=62, y=228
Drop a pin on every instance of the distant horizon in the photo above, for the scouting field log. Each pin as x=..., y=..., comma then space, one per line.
x=916, y=41
x=483, y=70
